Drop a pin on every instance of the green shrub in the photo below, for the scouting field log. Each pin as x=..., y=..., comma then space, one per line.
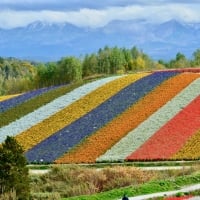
x=13, y=171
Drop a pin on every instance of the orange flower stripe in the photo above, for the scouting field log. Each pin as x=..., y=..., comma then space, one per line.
x=190, y=151
x=95, y=145
x=59, y=120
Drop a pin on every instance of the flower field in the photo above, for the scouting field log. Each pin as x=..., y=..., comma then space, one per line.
x=12, y=102
x=141, y=116
x=29, y=115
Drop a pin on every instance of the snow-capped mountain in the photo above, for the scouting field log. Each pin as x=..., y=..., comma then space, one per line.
x=50, y=41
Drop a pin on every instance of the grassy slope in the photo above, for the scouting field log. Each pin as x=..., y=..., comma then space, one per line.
x=147, y=188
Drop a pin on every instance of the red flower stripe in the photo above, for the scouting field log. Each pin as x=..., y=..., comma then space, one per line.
x=172, y=136
x=178, y=198
x=105, y=138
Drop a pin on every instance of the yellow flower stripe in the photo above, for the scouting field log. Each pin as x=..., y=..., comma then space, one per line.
x=3, y=98
x=49, y=126
x=191, y=149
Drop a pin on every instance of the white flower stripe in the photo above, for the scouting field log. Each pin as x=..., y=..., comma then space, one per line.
x=146, y=129
x=51, y=108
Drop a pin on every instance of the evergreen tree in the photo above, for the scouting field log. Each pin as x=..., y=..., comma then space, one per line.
x=13, y=170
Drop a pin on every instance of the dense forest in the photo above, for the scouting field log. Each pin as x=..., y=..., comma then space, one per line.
x=18, y=76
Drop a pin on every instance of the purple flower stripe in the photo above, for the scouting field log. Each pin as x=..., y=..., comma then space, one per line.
x=62, y=141
x=10, y=103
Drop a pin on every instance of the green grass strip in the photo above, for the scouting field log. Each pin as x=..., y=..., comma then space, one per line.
x=147, y=188
x=146, y=163
x=33, y=104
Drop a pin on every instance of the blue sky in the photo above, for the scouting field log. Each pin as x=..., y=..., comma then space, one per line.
x=90, y=13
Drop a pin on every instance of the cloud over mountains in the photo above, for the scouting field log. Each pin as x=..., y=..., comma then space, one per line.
x=95, y=13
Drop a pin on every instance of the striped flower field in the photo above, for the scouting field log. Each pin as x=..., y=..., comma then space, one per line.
x=135, y=117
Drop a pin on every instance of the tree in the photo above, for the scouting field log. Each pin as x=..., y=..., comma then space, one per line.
x=1, y=60
x=46, y=74
x=13, y=170
x=117, y=60
x=103, y=59
x=90, y=65
x=196, y=55
x=69, y=69
x=135, y=52
x=128, y=59
x=180, y=56
x=139, y=63
x=179, y=62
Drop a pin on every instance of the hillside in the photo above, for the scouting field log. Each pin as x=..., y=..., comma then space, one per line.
x=141, y=116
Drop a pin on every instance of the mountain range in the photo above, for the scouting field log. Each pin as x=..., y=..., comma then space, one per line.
x=42, y=41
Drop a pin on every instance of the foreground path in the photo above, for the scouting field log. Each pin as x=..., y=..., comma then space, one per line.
x=162, y=194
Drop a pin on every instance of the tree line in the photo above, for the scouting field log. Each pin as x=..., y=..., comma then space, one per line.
x=19, y=76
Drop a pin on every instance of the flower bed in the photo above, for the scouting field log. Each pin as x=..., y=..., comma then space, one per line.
x=89, y=151
x=30, y=105
x=86, y=125
x=38, y=115
x=74, y=111
x=172, y=136
x=179, y=198
x=147, y=128
x=10, y=103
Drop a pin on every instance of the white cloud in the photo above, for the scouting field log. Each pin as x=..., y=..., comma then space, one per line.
x=96, y=18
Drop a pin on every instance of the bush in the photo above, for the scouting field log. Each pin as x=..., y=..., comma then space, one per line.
x=13, y=170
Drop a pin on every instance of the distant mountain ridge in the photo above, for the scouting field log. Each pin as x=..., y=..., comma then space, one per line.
x=50, y=41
